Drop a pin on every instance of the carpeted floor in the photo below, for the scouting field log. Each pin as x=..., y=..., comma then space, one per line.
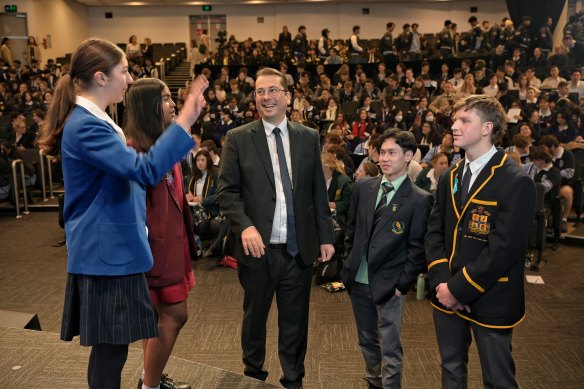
x=548, y=346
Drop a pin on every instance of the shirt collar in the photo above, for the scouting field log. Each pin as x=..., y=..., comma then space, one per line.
x=98, y=113
x=481, y=161
x=395, y=183
x=269, y=127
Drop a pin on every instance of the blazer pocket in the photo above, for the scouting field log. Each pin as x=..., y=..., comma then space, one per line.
x=117, y=243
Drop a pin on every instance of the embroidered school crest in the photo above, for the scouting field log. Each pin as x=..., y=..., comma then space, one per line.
x=480, y=221
x=338, y=195
x=397, y=227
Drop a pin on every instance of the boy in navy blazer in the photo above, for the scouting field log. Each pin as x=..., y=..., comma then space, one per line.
x=384, y=252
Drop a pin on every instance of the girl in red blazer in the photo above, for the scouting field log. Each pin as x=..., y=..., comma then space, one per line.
x=170, y=233
x=360, y=128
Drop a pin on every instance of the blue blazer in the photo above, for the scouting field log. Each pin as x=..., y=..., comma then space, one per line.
x=105, y=205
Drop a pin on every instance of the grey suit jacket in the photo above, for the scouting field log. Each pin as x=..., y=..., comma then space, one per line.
x=247, y=192
x=395, y=248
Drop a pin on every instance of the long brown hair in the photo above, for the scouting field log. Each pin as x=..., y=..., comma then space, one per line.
x=144, y=121
x=195, y=172
x=91, y=56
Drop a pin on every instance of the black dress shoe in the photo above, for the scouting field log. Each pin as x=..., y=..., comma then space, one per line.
x=167, y=383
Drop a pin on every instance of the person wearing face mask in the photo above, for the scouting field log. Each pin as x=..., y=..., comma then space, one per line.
x=436, y=125
x=397, y=120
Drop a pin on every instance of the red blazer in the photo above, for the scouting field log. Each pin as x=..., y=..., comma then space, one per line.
x=165, y=220
x=359, y=129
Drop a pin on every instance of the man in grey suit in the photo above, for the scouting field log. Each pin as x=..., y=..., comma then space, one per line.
x=273, y=194
x=384, y=252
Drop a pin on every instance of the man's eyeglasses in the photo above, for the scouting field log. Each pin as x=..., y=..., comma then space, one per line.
x=271, y=92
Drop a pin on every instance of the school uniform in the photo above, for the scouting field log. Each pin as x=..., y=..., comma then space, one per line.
x=478, y=248
x=384, y=252
x=171, y=239
x=106, y=299
x=339, y=191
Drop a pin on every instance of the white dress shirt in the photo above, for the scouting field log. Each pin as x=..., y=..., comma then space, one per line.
x=279, y=229
x=477, y=165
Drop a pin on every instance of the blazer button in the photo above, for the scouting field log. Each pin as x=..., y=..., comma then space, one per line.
x=459, y=228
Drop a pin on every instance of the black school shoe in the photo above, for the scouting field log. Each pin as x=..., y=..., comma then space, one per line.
x=167, y=383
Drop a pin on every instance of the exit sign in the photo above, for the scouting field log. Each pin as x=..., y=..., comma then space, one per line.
x=207, y=8
x=10, y=8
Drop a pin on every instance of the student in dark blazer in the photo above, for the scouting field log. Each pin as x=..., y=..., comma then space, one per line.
x=280, y=221
x=339, y=186
x=170, y=233
x=202, y=186
x=384, y=252
x=106, y=299
x=475, y=246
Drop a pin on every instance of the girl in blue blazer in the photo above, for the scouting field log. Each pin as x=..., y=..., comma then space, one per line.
x=106, y=299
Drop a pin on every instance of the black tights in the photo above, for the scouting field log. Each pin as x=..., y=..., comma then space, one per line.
x=106, y=362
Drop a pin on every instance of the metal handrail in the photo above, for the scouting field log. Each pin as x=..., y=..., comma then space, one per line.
x=162, y=74
x=16, y=190
x=44, y=156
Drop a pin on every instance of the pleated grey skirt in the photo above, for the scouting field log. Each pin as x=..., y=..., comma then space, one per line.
x=110, y=310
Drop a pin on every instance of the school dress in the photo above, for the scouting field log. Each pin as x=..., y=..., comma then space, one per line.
x=107, y=299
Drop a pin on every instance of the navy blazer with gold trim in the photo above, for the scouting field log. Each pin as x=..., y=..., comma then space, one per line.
x=479, y=249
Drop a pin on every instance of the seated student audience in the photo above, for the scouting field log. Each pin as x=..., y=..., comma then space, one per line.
x=367, y=169
x=564, y=160
x=333, y=142
x=428, y=178
x=339, y=187
x=540, y=90
x=360, y=129
x=553, y=80
x=8, y=154
x=514, y=156
x=429, y=136
x=341, y=122
x=521, y=145
x=563, y=128
x=542, y=170
x=446, y=146
x=211, y=147
x=202, y=195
